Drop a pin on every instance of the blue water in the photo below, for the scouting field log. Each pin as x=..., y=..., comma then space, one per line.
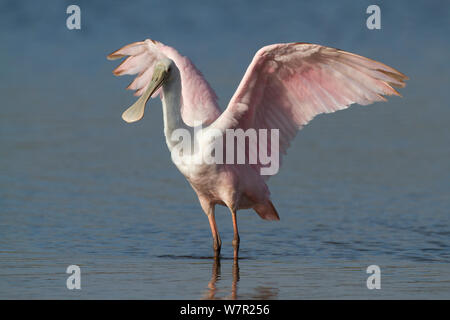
x=368, y=185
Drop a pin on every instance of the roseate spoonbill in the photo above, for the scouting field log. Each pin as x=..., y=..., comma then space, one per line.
x=285, y=86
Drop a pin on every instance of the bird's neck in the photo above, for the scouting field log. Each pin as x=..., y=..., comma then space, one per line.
x=171, y=103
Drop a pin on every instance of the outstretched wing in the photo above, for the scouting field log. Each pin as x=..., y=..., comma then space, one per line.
x=142, y=58
x=199, y=102
x=287, y=85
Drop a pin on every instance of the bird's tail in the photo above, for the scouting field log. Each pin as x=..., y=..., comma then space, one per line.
x=267, y=211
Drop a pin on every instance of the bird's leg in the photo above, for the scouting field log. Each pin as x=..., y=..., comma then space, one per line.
x=217, y=243
x=236, y=239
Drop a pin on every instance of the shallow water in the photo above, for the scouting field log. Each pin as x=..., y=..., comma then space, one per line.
x=369, y=185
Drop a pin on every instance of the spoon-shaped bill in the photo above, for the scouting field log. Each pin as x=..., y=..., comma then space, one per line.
x=136, y=111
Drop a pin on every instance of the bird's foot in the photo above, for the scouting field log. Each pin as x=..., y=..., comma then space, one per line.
x=216, y=246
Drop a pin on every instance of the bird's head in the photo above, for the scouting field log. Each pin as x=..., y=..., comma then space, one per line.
x=163, y=72
x=157, y=65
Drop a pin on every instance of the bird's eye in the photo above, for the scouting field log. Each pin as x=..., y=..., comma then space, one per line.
x=170, y=69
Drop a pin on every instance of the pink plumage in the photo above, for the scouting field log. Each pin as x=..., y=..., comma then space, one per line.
x=199, y=103
x=284, y=87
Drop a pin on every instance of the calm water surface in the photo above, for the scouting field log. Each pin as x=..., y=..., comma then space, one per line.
x=369, y=185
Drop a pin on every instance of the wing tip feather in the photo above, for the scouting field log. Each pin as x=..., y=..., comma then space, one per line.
x=118, y=71
x=116, y=55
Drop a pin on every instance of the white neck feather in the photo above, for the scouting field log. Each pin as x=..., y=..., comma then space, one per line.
x=171, y=103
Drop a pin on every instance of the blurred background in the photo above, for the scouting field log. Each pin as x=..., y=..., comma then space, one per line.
x=367, y=185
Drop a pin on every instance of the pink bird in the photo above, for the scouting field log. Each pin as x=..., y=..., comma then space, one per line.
x=285, y=87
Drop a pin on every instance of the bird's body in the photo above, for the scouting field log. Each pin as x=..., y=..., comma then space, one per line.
x=285, y=86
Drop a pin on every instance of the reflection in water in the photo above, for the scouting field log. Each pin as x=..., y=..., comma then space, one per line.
x=265, y=293
x=235, y=278
x=261, y=293
x=212, y=288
